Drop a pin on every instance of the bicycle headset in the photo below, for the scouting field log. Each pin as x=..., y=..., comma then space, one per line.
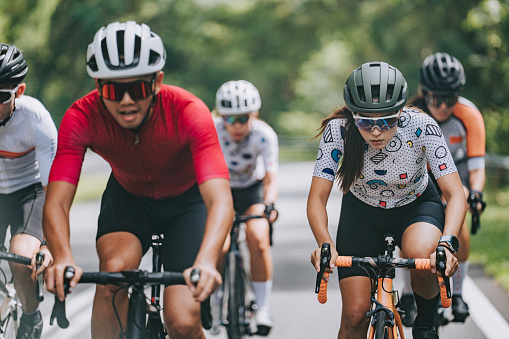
x=442, y=74
x=375, y=87
x=237, y=97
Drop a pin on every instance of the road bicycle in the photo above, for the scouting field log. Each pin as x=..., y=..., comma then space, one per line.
x=10, y=309
x=237, y=306
x=143, y=314
x=385, y=311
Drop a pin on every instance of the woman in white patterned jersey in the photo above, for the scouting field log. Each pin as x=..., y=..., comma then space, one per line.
x=250, y=147
x=377, y=149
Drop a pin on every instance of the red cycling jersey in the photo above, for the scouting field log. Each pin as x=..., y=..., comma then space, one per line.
x=176, y=147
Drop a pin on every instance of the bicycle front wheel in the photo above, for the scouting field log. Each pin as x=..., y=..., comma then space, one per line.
x=382, y=331
x=236, y=307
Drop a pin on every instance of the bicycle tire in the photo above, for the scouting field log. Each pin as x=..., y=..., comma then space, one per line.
x=155, y=328
x=234, y=330
x=382, y=331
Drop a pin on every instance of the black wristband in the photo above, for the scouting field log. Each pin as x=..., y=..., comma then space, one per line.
x=444, y=245
x=43, y=243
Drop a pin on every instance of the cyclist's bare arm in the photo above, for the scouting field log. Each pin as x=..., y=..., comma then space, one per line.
x=217, y=196
x=451, y=187
x=55, y=223
x=317, y=216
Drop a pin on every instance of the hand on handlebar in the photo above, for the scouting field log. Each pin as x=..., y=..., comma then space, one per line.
x=55, y=277
x=443, y=262
x=326, y=265
x=271, y=213
x=209, y=280
x=39, y=266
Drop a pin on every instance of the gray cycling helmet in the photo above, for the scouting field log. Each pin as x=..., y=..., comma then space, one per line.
x=124, y=50
x=442, y=73
x=13, y=67
x=375, y=87
x=237, y=97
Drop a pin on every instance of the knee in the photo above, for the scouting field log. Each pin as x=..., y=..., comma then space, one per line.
x=106, y=292
x=182, y=326
x=355, y=318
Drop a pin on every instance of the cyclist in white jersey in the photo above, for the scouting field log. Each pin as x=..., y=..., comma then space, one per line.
x=378, y=149
x=250, y=147
x=28, y=140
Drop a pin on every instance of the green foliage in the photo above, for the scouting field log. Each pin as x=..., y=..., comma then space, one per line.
x=297, y=52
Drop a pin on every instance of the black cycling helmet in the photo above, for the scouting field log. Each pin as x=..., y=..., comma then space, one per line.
x=13, y=67
x=375, y=87
x=442, y=73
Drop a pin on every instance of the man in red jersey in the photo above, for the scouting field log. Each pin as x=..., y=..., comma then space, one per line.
x=168, y=176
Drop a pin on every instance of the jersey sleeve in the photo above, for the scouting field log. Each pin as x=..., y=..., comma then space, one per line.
x=270, y=151
x=45, y=141
x=476, y=135
x=73, y=138
x=197, y=129
x=435, y=148
x=331, y=150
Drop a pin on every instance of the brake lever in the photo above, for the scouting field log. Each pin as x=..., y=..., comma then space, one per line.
x=59, y=306
x=441, y=262
x=325, y=256
x=39, y=288
x=205, y=312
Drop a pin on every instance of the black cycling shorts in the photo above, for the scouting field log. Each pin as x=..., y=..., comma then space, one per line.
x=22, y=210
x=362, y=227
x=243, y=198
x=181, y=219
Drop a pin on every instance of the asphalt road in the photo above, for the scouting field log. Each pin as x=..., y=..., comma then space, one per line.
x=296, y=311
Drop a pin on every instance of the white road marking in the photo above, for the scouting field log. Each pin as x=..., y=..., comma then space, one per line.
x=485, y=315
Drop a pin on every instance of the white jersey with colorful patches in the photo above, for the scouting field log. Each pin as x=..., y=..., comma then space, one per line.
x=28, y=144
x=395, y=175
x=249, y=159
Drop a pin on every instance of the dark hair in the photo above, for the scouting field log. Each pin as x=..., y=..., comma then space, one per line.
x=352, y=161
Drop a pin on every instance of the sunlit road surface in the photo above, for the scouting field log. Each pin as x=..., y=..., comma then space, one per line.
x=296, y=311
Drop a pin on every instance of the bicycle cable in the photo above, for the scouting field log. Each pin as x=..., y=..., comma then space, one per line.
x=123, y=332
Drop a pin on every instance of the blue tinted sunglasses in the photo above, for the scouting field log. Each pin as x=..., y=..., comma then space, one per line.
x=231, y=119
x=384, y=123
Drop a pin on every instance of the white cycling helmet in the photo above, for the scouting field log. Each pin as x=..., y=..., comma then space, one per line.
x=124, y=50
x=237, y=97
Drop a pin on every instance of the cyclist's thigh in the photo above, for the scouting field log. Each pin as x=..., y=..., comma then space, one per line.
x=183, y=226
x=124, y=212
x=119, y=251
x=359, y=233
x=25, y=210
x=179, y=305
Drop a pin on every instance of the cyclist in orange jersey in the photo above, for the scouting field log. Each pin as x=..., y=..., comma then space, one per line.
x=441, y=79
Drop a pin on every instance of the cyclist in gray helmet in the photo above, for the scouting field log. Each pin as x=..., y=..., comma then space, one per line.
x=28, y=139
x=442, y=77
x=377, y=149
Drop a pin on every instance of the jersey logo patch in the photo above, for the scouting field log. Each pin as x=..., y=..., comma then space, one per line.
x=379, y=157
x=433, y=130
x=442, y=167
x=327, y=134
x=455, y=139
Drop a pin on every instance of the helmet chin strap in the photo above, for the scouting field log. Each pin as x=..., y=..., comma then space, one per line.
x=145, y=117
x=3, y=122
